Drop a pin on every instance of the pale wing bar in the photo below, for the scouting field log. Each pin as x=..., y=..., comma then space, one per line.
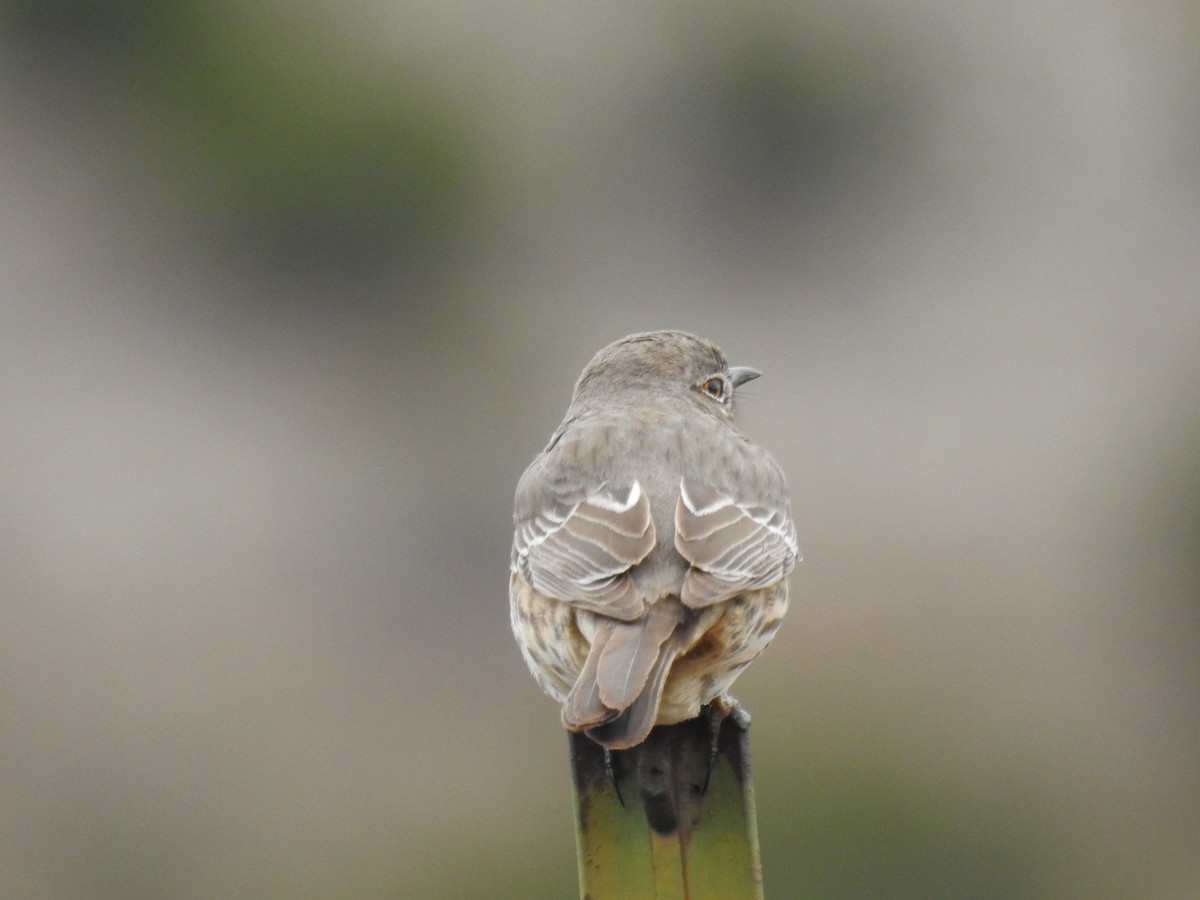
x=731, y=546
x=581, y=553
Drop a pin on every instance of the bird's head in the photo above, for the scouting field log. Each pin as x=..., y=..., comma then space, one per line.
x=662, y=367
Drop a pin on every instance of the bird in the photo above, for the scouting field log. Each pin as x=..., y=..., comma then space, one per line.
x=652, y=542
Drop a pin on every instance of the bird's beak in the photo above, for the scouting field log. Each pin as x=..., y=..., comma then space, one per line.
x=739, y=375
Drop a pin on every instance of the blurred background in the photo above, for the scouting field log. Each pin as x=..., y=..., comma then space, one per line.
x=291, y=293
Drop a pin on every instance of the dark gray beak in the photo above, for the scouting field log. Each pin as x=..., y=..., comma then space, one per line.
x=739, y=375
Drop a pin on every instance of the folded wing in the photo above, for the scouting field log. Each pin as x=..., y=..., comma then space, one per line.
x=580, y=550
x=732, y=545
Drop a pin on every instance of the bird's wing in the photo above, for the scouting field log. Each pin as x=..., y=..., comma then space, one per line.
x=578, y=545
x=732, y=544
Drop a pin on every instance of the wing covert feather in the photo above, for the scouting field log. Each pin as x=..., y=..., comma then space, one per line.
x=580, y=550
x=731, y=545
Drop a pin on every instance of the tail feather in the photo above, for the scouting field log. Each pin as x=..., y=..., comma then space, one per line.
x=630, y=655
x=635, y=722
x=615, y=699
x=583, y=707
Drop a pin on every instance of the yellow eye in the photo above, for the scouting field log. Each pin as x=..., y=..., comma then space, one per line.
x=714, y=387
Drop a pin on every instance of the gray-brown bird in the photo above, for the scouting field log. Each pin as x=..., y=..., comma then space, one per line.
x=652, y=542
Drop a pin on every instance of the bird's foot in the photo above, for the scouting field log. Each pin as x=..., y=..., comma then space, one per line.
x=721, y=708
x=610, y=766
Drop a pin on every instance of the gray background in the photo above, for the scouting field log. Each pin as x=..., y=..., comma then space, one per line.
x=291, y=293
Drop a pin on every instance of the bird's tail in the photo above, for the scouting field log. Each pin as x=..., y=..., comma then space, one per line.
x=616, y=696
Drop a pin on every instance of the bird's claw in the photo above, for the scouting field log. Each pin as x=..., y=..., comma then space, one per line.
x=611, y=768
x=720, y=709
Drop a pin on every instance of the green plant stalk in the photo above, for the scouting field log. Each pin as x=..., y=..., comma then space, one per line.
x=711, y=855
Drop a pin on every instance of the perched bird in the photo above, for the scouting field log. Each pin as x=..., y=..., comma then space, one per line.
x=652, y=542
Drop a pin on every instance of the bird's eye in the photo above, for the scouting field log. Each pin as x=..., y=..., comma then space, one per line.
x=714, y=387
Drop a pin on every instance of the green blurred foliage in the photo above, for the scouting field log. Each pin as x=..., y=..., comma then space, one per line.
x=869, y=829
x=295, y=148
